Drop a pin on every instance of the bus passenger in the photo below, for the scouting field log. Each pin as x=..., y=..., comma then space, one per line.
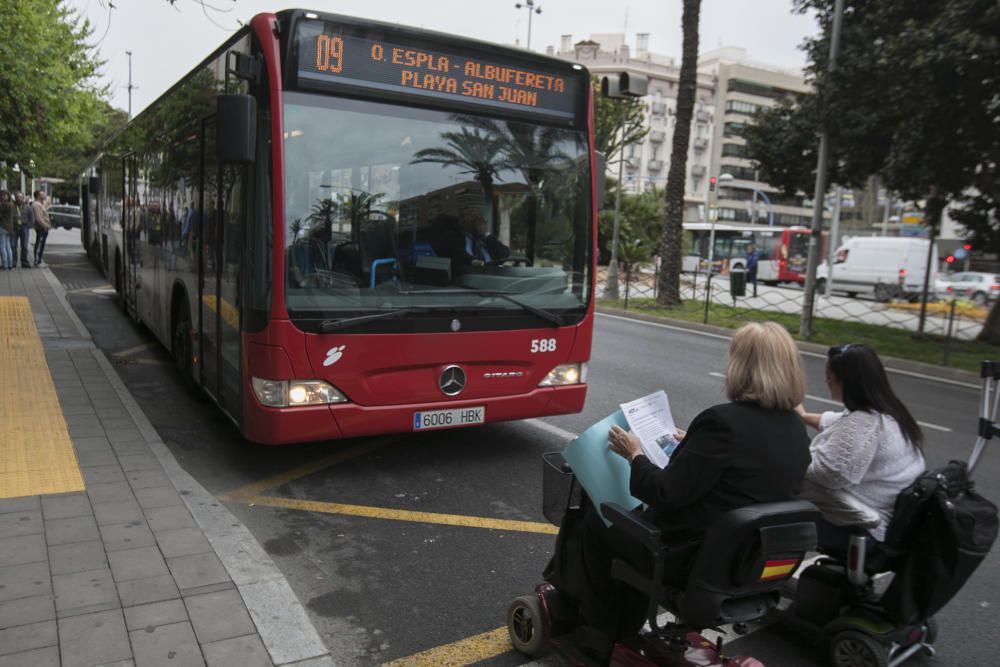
x=751, y=450
x=864, y=456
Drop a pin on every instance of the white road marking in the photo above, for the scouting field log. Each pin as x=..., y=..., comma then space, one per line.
x=820, y=399
x=554, y=430
x=817, y=355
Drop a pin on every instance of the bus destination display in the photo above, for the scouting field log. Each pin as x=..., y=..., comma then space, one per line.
x=328, y=54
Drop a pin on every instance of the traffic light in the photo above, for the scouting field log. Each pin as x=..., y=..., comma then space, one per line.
x=711, y=183
x=950, y=259
x=968, y=247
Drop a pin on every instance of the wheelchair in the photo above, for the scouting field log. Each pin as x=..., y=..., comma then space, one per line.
x=736, y=577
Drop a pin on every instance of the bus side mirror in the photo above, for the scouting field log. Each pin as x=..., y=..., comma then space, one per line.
x=94, y=185
x=600, y=182
x=235, y=128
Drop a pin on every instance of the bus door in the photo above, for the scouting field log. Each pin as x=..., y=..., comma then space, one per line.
x=130, y=234
x=208, y=264
x=231, y=223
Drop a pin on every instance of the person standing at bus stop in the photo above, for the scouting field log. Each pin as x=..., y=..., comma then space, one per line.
x=42, y=224
x=24, y=229
x=8, y=218
x=752, y=258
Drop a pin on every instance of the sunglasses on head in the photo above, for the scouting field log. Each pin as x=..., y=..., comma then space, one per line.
x=839, y=349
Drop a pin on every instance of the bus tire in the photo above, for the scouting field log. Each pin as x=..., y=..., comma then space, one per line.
x=883, y=293
x=821, y=286
x=182, y=347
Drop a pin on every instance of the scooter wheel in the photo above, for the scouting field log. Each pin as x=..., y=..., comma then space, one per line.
x=525, y=624
x=856, y=649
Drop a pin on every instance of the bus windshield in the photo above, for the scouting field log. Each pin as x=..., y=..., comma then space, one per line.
x=390, y=207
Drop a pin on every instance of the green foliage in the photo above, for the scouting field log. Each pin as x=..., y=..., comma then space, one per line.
x=641, y=220
x=609, y=120
x=68, y=161
x=50, y=101
x=913, y=98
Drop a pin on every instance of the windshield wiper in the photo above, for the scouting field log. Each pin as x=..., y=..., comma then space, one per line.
x=326, y=326
x=546, y=315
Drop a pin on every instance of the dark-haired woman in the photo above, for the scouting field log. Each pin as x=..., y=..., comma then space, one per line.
x=864, y=456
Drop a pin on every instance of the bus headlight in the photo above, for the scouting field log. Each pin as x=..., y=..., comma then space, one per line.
x=295, y=393
x=565, y=374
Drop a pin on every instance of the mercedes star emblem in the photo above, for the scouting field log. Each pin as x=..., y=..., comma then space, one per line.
x=452, y=381
x=455, y=325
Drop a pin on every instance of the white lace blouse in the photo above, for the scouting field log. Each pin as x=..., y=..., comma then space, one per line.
x=860, y=463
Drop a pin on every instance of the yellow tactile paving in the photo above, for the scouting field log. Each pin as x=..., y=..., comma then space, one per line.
x=36, y=453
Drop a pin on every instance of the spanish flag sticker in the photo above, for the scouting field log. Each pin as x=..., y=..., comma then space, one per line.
x=778, y=569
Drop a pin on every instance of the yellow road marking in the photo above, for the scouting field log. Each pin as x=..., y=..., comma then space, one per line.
x=463, y=652
x=367, y=512
x=254, y=488
x=230, y=313
x=37, y=455
x=134, y=350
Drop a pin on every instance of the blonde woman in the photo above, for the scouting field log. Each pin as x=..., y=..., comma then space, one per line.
x=753, y=449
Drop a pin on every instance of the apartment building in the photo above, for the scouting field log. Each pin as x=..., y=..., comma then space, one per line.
x=646, y=165
x=742, y=87
x=731, y=88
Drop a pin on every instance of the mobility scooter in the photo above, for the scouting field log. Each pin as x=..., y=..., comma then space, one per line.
x=940, y=531
x=736, y=576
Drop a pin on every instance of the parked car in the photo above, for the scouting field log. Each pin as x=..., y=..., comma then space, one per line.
x=66, y=216
x=884, y=267
x=982, y=288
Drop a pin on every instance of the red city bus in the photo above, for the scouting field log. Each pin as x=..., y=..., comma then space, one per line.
x=341, y=227
x=793, y=254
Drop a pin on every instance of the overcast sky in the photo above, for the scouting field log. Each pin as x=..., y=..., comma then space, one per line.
x=167, y=41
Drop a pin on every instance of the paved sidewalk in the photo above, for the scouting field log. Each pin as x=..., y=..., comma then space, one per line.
x=130, y=570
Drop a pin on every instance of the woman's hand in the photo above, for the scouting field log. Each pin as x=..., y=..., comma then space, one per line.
x=624, y=443
x=680, y=434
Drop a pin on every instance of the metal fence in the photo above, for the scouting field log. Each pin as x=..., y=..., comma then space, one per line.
x=946, y=322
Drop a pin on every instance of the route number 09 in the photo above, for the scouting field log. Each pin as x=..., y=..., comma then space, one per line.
x=330, y=53
x=543, y=345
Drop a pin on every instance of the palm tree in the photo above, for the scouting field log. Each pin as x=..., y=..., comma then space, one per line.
x=668, y=292
x=474, y=152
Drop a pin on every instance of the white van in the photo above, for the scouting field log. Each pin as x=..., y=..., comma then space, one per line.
x=884, y=267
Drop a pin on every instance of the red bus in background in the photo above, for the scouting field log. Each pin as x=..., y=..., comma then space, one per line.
x=782, y=251
x=301, y=221
x=793, y=254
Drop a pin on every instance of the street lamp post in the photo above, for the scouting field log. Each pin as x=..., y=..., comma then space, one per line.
x=530, y=6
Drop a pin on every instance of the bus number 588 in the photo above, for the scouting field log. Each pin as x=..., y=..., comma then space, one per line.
x=543, y=345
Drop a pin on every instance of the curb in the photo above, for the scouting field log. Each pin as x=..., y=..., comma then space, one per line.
x=942, y=373
x=280, y=619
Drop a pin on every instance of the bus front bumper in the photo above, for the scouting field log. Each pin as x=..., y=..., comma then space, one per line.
x=280, y=426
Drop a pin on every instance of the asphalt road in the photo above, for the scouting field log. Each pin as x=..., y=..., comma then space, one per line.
x=383, y=583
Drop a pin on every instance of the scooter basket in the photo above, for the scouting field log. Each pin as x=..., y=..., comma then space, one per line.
x=560, y=490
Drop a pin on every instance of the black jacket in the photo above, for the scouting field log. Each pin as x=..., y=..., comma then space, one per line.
x=734, y=455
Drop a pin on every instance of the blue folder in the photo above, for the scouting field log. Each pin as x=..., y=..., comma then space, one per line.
x=603, y=474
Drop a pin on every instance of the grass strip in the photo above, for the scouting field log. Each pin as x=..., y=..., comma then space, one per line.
x=887, y=341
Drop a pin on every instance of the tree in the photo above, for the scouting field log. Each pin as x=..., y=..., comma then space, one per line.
x=48, y=73
x=668, y=293
x=641, y=218
x=67, y=161
x=913, y=99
